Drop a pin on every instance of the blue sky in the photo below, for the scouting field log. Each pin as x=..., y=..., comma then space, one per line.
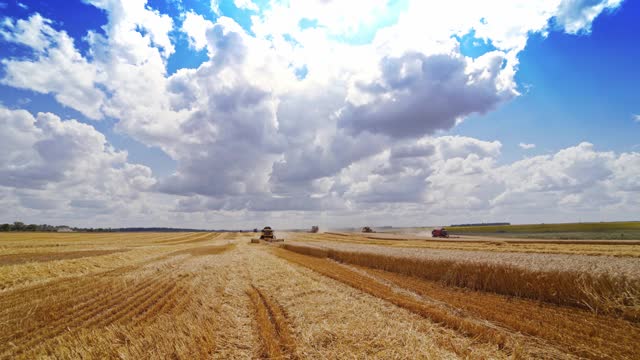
x=326, y=71
x=575, y=88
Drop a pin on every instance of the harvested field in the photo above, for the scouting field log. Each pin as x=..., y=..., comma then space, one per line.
x=21, y=258
x=598, y=292
x=200, y=295
x=483, y=316
x=620, y=265
x=604, y=228
x=482, y=243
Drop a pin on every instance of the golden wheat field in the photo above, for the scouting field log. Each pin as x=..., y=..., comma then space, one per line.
x=315, y=296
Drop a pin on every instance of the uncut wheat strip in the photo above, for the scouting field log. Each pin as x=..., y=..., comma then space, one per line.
x=599, y=293
x=612, y=250
x=587, y=249
x=575, y=331
x=433, y=312
x=622, y=344
x=629, y=267
x=479, y=331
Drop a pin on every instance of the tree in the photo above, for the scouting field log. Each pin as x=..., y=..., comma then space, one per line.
x=18, y=226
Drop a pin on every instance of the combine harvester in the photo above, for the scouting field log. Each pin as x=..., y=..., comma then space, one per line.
x=440, y=233
x=267, y=235
x=314, y=229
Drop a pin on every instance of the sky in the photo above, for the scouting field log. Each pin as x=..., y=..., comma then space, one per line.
x=244, y=113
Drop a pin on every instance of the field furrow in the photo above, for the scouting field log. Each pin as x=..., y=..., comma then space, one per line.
x=176, y=298
x=276, y=337
x=91, y=315
x=65, y=310
x=109, y=300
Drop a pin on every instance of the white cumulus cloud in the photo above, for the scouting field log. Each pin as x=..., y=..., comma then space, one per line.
x=245, y=4
x=295, y=118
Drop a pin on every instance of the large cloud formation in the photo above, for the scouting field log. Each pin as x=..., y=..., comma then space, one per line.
x=295, y=119
x=64, y=167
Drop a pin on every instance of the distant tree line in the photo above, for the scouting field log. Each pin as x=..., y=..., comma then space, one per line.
x=20, y=226
x=158, y=229
x=483, y=224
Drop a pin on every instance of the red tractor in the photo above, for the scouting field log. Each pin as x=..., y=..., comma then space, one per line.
x=440, y=233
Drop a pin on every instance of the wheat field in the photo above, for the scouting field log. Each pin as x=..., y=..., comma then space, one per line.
x=215, y=295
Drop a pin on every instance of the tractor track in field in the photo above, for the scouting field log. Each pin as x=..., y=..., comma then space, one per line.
x=478, y=329
x=277, y=341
